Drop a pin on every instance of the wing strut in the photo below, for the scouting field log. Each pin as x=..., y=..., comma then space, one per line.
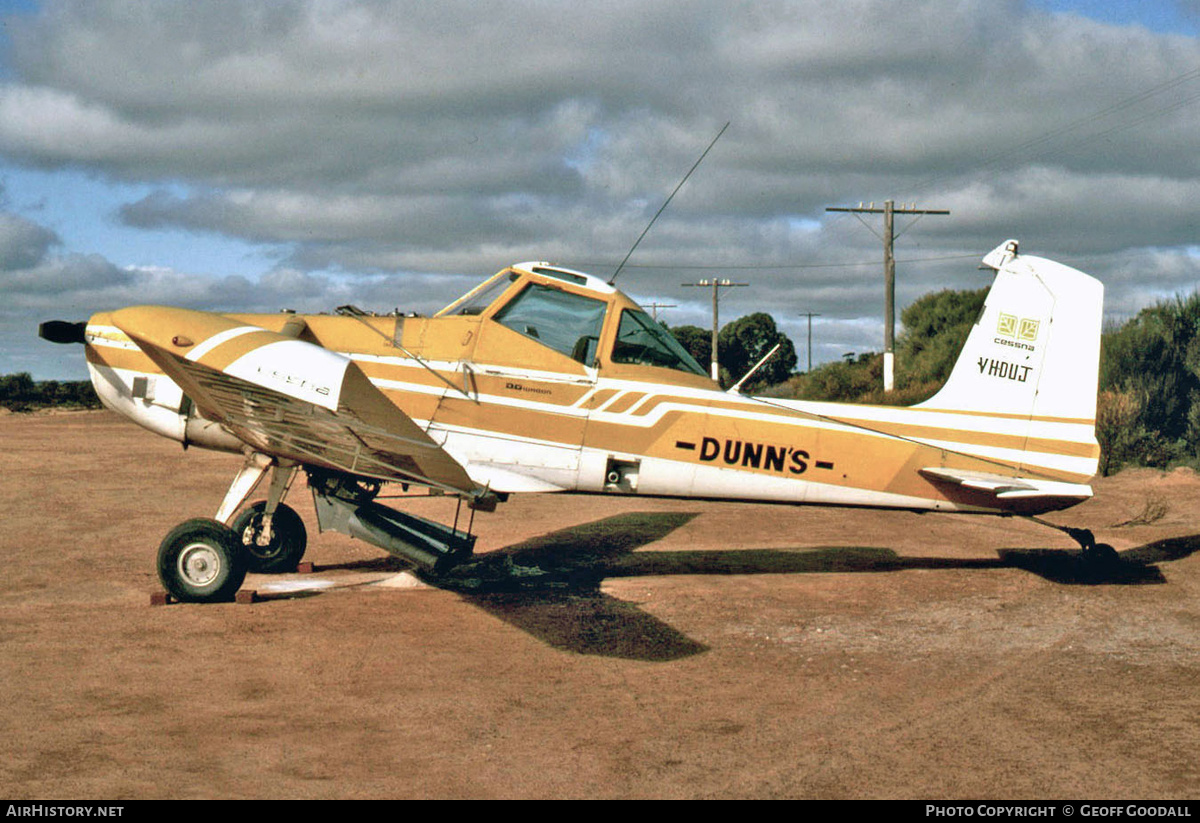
x=467, y=375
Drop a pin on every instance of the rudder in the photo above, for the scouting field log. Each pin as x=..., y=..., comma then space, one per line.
x=1033, y=355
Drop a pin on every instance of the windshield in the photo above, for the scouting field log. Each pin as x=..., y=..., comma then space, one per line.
x=568, y=323
x=642, y=341
x=480, y=297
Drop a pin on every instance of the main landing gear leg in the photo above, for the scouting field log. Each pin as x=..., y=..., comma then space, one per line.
x=270, y=532
x=205, y=561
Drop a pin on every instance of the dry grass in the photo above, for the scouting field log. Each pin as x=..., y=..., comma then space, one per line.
x=1154, y=508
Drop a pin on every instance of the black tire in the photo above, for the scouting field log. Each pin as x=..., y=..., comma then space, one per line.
x=200, y=562
x=289, y=539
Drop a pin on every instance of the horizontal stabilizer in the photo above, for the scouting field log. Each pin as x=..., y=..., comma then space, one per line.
x=1009, y=488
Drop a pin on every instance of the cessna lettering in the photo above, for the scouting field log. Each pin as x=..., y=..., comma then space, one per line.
x=1004, y=341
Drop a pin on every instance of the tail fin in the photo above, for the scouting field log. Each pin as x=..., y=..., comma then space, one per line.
x=1031, y=364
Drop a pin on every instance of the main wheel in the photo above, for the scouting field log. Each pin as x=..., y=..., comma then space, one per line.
x=200, y=562
x=288, y=539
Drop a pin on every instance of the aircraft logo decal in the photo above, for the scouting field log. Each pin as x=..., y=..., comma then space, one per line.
x=1017, y=332
x=1018, y=328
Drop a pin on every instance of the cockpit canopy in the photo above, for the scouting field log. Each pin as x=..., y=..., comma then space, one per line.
x=580, y=317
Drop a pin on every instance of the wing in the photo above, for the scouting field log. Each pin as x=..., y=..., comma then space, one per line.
x=288, y=398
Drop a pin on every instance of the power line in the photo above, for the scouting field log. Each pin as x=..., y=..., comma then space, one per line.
x=654, y=307
x=992, y=166
x=1019, y=153
x=585, y=265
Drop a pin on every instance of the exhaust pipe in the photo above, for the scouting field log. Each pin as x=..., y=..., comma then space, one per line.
x=60, y=331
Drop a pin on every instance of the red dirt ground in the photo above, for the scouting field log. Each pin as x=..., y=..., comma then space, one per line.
x=668, y=649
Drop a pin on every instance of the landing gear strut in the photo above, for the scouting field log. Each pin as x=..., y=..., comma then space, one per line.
x=274, y=548
x=206, y=560
x=270, y=533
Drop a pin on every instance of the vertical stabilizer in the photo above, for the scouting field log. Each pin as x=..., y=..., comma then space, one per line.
x=1033, y=359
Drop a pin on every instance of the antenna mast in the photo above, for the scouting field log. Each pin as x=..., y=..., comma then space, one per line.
x=613, y=279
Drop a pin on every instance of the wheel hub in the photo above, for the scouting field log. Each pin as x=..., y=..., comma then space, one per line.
x=199, y=564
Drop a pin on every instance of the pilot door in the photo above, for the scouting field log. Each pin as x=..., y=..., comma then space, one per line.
x=528, y=375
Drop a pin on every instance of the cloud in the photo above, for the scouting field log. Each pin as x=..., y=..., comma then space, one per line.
x=40, y=283
x=22, y=242
x=362, y=143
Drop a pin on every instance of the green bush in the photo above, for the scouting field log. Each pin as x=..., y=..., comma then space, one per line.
x=1152, y=362
x=935, y=328
x=19, y=392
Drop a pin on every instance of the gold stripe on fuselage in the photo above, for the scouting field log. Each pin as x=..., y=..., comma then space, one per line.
x=725, y=431
x=984, y=433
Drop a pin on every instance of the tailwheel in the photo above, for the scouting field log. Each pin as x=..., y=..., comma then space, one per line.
x=1101, y=555
x=274, y=550
x=200, y=561
x=1097, y=555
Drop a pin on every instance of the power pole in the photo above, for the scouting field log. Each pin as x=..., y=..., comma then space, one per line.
x=654, y=307
x=810, y=315
x=716, y=285
x=889, y=277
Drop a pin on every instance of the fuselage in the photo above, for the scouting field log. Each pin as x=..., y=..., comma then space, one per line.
x=547, y=380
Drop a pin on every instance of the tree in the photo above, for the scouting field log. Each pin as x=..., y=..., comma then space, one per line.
x=697, y=341
x=17, y=391
x=935, y=329
x=745, y=341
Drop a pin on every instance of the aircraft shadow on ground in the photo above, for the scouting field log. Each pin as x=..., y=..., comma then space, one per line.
x=550, y=586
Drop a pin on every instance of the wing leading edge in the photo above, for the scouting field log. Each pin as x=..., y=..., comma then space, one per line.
x=288, y=398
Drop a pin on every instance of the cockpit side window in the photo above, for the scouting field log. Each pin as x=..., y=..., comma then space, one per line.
x=474, y=303
x=568, y=323
x=644, y=342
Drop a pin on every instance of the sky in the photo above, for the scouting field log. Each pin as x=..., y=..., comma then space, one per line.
x=305, y=154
